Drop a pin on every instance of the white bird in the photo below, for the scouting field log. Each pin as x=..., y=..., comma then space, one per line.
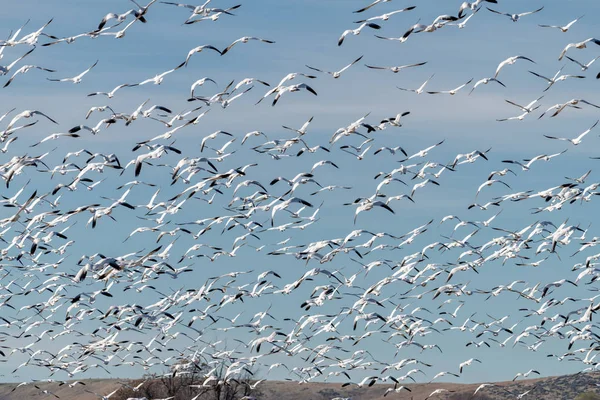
x=32, y=38
x=117, y=34
x=45, y=391
x=303, y=128
x=329, y=188
x=6, y=69
x=564, y=28
x=482, y=386
x=292, y=88
x=368, y=205
x=359, y=156
x=394, y=121
x=198, y=50
x=12, y=40
x=244, y=39
x=578, y=139
x=111, y=94
x=526, y=374
x=95, y=129
x=157, y=80
x=584, y=67
x=55, y=136
x=356, y=31
x=525, y=393
x=461, y=25
x=212, y=14
x=556, y=78
x=424, y=152
x=453, y=91
x=485, y=81
x=119, y=17
x=337, y=74
x=557, y=284
x=386, y=16
x=501, y=173
x=400, y=39
x=391, y=150
x=582, y=178
x=285, y=204
x=466, y=364
x=422, y=185
x=528, y=108
x=543, y=157
x=24, y=69
x=571, y=103
x=154, y=154
x=579, y=45
x=141, y=11
x=420, y=89
x=474, y=6
x=293, y=75
x=396, y=69
x=396, y=390
x=371, y=5
x=510, y=61
x=98, y=108
x=75, y=79
x=200, y=82
x=369, y=380
x=490, y=182
x=438, y=391
x=444, y=373
x=253, y=133
x=321, y=163
x=212, y=136
x=101, y=396
x=8, y=142
x=516, y=17
x=221, y=151
x=27, y=114
x=439, y=22
x=226, y=102
x=196, y=10
x=248, y=81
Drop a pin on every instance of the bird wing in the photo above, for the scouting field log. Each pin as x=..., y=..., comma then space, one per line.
x=305, y=86
x=412, y=65
x=531, y=12
x=316, y=69
x=571, y=23
x=89, y=69
x=367, y=7
x=516, y=105
x=497, y=12
x=349, y=65
x=541, y=76
x=588, y=103
x=230, y=46
x=557, y=138
x=562, y=53
x=374, y=67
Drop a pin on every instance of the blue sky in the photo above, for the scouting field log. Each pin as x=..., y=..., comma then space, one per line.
x=306, y=33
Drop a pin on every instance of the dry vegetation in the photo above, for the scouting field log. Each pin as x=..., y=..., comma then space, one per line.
x=568, y=387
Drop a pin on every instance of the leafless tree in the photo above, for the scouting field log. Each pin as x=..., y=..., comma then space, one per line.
x=187, y=380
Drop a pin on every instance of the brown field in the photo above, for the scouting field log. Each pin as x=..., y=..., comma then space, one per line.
x=565, y=387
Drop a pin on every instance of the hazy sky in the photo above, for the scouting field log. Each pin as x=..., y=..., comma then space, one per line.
x=306, y=33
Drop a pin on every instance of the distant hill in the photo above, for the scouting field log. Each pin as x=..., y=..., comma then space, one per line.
x=565, y=387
